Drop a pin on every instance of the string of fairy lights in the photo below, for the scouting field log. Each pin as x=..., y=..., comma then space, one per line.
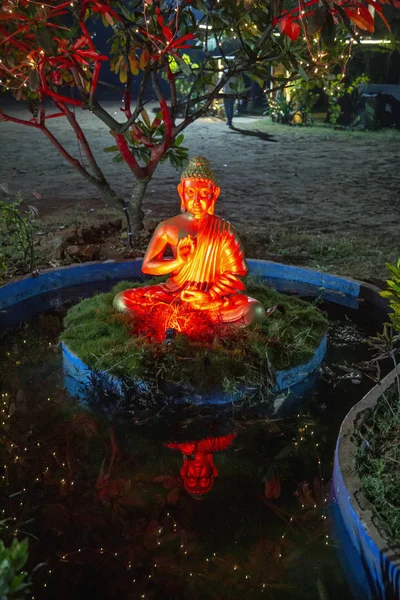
x=15, y=524
x=318, y=63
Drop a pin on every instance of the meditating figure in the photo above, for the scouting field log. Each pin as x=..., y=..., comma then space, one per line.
x=207, y=259
x=198, y=470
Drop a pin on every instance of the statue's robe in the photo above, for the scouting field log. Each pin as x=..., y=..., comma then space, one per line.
x=217, y=262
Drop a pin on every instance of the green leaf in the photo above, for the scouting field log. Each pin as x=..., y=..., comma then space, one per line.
x=395, y=286
x=111, y=149
x=179, y=139
x=183, y=66
x=18, y=583
x=45, y=39
x=34, y=80
x=302, y=73
x=19, y=554
x=125, y=12
x=145, y=117
x=284, y=452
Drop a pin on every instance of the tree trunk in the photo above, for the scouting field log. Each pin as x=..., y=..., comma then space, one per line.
x=135, y=207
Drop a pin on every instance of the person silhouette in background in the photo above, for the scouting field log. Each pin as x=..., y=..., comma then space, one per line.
x=229, y=99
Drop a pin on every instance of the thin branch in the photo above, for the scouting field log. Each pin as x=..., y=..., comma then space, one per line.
x=46, y=90
x=219, y=46
x=101, y=183
x=128, y=84
x=168, y=121
x=79, y=81
x=4, y=117
x=102, y=114
x=212, y=96
x=267, y=33
x=172, y=87
x=139, y=103
x=72, y=161
x=82, y=139
x=128, y=156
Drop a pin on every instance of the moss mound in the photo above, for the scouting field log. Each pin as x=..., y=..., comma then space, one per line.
x=233, y=358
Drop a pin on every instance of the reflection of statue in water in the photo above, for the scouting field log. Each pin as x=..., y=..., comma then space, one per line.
x=198, y=470
x=207, y=258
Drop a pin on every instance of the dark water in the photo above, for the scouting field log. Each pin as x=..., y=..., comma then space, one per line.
x=101, y=498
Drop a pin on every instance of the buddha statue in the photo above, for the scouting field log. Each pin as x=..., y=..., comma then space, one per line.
x=198, y=470
x=207, y=260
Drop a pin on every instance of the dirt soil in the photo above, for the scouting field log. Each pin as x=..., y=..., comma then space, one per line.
x=311, y=180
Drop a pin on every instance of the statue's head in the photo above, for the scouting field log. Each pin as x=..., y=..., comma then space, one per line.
x=197, y=189
x=198, y=474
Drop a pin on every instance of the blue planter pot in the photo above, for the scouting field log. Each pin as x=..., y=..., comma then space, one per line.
x=25, y=297
x=369, y=559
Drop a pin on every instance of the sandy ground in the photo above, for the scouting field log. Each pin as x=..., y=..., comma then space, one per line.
x=324, y=183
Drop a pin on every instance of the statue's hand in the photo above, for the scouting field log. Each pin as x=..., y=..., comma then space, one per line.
x=199, y=300
x=185, y=249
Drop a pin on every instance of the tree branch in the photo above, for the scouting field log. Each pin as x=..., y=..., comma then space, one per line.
x=168, y=121
x=102, y=114
x=267, y=33
x=4, y=117
x=128, y=157
x=139, y=104
x=128, y=84
x=83, y=140
x=210, y=98
x=172, y=87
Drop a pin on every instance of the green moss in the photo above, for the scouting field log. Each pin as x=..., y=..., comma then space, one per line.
x=102, y=339
x=377, y=461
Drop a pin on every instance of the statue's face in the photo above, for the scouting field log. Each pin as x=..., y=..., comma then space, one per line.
x=198, y=475
x=198, y=196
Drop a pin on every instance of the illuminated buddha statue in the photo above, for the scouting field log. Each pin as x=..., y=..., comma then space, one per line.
x=198, y=470
x=207, y=259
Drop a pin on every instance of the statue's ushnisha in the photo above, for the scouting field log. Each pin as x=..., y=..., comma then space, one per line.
x=207, y=258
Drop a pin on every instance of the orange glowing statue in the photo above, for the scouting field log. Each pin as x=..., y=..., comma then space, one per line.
x=198, y=470
x=207, y=258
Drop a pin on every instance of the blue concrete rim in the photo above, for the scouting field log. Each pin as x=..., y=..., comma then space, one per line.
x=378, y=554
x=53, y=279
x=78, y=376
x=338, y=289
